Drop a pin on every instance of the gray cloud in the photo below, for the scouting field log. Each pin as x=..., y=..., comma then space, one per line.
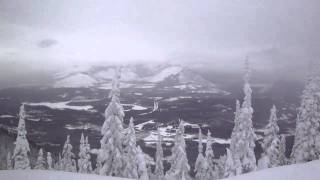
x=46, y=43
x=221, y=32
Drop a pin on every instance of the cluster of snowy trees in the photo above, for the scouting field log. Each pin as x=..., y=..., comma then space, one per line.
x=120, y=156
x=307, y=135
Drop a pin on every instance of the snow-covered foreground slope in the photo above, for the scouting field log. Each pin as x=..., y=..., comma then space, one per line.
x=306, y=171
x=50, y=175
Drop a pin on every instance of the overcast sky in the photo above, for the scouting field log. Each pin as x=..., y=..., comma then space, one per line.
x=45, y=33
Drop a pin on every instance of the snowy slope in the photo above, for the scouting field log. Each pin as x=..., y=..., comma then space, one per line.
x=50, y=175
x=165, y=73
x=71, y=71
x=167, y=77
x=76, y=80
x=306, y=171
x=127, y=74
x=62, y=106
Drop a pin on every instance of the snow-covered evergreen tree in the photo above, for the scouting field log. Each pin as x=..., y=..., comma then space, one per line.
x=159, y=169
x=306, y=142
x=229, y=169
x=212, y=174
x=98, y=167
x=263, y=162
x=282, y=151
x=201, y=166
x=22, y=149
x=66, y=162
x=142, y=165
x=243, y=136
x=74, y=165
x=236, y=128
x=235, y=145
x=220, y=166
x=84, y=161
x=179, y=163
x=271, y=140
x=49, y=161
x=130, y=152
x=58, y=164
x=111, y=153
x=9, y=161
x=41, y=162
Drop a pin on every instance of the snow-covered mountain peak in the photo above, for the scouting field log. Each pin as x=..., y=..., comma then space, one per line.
x=166, y=76
x=165, y=73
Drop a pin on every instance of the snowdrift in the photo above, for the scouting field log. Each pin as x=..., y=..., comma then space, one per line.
x=50, y=175
x=305, y=171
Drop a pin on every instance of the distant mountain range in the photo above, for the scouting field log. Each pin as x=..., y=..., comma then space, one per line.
x=137, y=76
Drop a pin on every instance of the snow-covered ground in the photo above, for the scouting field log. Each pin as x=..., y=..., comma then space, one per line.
x=168, y=136
x=6, y=116
x=165, y=73
x=135, y=107
x=306, y=171
x=85, y=126
x=75, y=81
x=62, y=106
x=50, y=175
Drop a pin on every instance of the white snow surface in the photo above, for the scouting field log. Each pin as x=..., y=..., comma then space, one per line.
x=62, y=106
x=126, y=75
x=86, y=126
x=71, y=71
x=305, y=171
x=165, y=73
x=171, y=99
x=108, y=86
x=169, y=136
x=6, y=116
x=135, y=107
x=76, y=81
x=50, y=175
x=141, y=125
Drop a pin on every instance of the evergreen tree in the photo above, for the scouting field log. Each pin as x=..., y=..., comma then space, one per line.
x=235, y=137
x=9, y=161
x=237, y=164
x=130, y=152
x=263, y=162
x=209, y=158
x=306, y=142
x=142, y=165
x=73, y=165
x=236, y=128
x=229, y=169
x=41, y=162
x=178, y=160
x=22, y=149
x=243, y=136
x=98, y=167
x=58, y=165
x=282, y=151
x=201, y=166
x=49, y=161
x=84, y=162
x=220, y=166
x=66, y=162
x=271, y=140
x=159, y=169
x=111, y=153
